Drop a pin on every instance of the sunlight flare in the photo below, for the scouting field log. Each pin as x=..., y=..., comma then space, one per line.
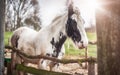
x=92, y=4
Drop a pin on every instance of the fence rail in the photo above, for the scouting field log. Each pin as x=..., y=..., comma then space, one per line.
x=28, y=58
x=32, y=70
x=37, y=57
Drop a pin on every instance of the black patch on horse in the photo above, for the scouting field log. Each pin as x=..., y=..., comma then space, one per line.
x=58, y=44
x=42, y=61
x=71, y=26
x=72, y=30
x=47, y=54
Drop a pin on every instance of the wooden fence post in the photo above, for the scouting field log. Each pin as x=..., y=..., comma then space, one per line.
x=2, y=22
x=91, y=68
x=108, y=37
x=86, y=56
x=13, y=62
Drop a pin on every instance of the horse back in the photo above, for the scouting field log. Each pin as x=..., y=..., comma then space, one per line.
x=19, y=34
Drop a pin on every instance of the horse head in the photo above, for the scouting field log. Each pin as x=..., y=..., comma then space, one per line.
x=75, y=28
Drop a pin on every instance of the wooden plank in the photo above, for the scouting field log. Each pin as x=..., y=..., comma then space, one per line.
x=91, y=68
x=86, y=56
x=32, y=70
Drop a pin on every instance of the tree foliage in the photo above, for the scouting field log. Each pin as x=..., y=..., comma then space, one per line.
x=22, y=13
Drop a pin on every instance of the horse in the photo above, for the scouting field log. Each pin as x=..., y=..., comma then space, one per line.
x=49, y=40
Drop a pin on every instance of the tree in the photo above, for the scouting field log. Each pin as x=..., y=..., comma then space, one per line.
x=33, y=19
x=9, y=20
x=2, y=17
x=108, y=35
x=22, y=13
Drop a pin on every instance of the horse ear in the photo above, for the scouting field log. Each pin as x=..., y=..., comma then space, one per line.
x=70, y=8
x=68, y=2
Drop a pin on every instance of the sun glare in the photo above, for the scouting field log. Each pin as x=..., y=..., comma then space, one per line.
x=92, y=4
x=88, y=9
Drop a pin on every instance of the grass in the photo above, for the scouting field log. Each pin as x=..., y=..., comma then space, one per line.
x=71, y=50
x=7, y=37
x=92, y=49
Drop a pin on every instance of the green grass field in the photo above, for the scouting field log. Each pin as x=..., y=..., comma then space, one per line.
x=7, y=36
x=92, y=49
x=69, y=46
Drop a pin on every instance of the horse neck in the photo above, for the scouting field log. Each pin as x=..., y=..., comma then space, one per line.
x=58, y=33
x=58, y=25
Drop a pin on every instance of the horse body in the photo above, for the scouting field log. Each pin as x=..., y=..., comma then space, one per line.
x=45, y=42
x=50, y=39
x=51, y=33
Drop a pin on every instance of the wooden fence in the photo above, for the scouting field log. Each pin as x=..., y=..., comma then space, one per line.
x=17, y=67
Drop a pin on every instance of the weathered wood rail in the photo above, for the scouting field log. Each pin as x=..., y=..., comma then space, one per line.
x=34, y=71
x=35, y=59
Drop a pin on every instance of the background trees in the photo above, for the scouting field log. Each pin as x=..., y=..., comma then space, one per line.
x=21, y=13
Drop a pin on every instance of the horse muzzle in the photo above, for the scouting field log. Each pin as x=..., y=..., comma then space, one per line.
x=81, y=45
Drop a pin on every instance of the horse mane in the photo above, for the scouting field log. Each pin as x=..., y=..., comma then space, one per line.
x=56, y=18
x=69, y=12
x=77, y=12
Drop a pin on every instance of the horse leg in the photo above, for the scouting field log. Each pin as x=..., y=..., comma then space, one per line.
x=42, y=64
x=54, y=67
x=13, y=62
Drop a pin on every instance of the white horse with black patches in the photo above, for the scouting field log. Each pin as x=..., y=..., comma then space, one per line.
x=50, y=39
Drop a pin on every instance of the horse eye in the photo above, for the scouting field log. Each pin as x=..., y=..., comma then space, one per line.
x=75, y=24
x=74, y=21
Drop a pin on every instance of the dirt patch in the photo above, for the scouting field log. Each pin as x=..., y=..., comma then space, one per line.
x=73, y=68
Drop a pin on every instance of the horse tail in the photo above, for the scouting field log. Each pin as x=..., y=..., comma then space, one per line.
x=16, y=36
x=14, y=40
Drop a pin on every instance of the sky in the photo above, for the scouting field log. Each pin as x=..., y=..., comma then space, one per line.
x=49, y=9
